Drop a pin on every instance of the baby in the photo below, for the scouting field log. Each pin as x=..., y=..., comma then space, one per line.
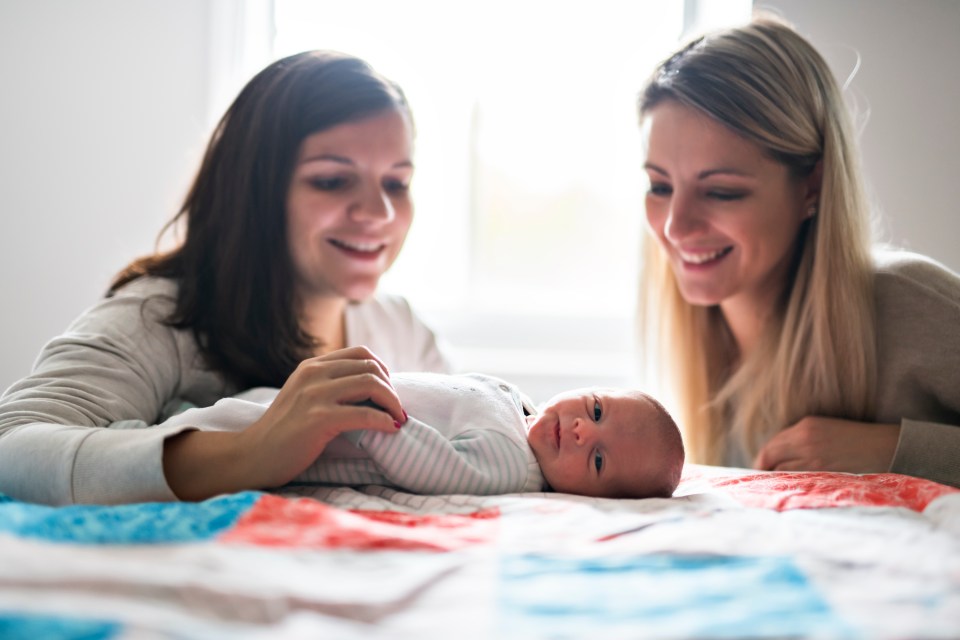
x=476, y=434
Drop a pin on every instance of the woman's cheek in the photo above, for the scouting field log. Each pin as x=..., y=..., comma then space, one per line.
x=655, y=216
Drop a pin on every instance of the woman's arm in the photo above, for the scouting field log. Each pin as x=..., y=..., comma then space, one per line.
x=918, y=398
x=917, y=448
x=816, y=443
x=318, y=402
x=117, y=362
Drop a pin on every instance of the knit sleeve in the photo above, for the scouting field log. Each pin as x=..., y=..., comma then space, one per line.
x=918, y=322
x=928, y=450
x=117, y=364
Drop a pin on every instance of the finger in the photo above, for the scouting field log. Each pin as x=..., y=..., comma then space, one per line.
x=775, y=452
x=367, y=388
x=791, y=465
x=328, y=370
x=760, y=462
x=354, y=353
x=352, y=417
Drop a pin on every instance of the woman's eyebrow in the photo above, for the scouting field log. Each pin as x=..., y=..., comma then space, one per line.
x=706, y=173
x=332, y=157
x=730, y=171
x=652, y=167
x=329, y=157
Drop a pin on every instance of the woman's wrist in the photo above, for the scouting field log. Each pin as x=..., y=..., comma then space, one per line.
x=202, y=464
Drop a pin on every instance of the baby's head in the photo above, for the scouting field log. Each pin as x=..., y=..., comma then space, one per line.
x=612, y=443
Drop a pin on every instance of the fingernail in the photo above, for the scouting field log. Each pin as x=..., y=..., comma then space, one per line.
x=397, y=424
x=405, y=416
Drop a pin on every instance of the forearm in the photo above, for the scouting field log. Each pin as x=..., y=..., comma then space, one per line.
x=202, y=464
x=61, y=464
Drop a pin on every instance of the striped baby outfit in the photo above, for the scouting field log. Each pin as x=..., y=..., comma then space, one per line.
x=466, y=434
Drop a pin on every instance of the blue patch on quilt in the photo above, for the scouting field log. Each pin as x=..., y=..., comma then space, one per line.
x=147, y=523
x=28, y=627
x=659, y=596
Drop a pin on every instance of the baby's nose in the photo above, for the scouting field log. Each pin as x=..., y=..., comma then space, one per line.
x=582, y=431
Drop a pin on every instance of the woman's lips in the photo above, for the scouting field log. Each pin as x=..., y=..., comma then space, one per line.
x=701, y=259
x=361, y=250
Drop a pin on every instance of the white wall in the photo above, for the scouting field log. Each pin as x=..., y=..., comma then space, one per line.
x=102, y=120
x=910, y=82
x=104, y=111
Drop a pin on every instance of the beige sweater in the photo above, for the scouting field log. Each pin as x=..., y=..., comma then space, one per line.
x=78, y=428
x=918, y=362
x=918, y=355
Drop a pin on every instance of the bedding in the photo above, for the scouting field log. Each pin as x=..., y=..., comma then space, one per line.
x=734, y=554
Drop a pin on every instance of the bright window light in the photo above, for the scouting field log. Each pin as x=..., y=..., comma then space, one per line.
x=528, y=186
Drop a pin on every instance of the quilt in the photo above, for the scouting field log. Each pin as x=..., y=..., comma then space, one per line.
x=734, y=554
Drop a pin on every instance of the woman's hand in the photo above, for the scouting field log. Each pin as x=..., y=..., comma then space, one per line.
x=320, y=400
x=829, y=444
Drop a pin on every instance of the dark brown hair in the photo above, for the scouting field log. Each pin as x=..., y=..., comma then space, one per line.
x=233, y=269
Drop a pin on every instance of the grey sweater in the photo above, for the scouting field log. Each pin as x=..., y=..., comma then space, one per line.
x=65, y=433
x=918, y=356
x=918, y=362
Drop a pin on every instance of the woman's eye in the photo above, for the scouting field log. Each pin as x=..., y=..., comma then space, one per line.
x=726, y=196
x=396, y=186
x=598, y=460
x=597, y=411
x=660, y=189
x=327, y=184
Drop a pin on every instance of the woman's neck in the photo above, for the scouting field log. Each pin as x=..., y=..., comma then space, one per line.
x=747, y=321
x=748, y=313
x=323, y=318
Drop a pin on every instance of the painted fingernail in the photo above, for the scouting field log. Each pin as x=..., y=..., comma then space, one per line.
x=405, y=416
x=397, y=424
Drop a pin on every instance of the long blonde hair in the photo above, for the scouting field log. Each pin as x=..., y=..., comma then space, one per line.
x=818, y=354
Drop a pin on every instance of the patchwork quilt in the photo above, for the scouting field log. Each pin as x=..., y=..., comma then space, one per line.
x=735, y=554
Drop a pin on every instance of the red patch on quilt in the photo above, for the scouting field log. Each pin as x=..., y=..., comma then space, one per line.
x=783, y=490
x=280, y=522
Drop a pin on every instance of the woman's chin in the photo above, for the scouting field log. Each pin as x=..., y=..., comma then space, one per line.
x=701, y=298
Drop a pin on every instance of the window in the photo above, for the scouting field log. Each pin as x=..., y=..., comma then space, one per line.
x=528, y=190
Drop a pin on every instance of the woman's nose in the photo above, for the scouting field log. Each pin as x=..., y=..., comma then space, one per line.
x=683, y=219
x=373, y=205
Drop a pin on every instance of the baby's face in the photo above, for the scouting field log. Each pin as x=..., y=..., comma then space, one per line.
x=597, y=442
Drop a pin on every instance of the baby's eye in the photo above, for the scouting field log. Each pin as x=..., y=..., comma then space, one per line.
x=598, y=460
x=597, y=410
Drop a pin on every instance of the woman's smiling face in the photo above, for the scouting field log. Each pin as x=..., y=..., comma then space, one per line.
x=726, y=214
x=349, y=207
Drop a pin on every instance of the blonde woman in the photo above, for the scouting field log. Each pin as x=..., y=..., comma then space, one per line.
x=788, y=344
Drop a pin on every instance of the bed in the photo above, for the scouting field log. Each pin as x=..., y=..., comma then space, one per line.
x=735, y=554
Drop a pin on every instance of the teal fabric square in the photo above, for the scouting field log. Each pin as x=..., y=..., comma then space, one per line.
x=662, y=596
x=147, y=523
